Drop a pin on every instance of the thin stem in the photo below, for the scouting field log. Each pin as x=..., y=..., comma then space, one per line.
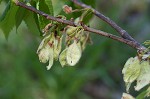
x=121, y=31
x=44, y=14
x=133, y=44
x=114, y=37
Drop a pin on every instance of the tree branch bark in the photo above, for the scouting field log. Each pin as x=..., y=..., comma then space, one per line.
x=129, y=42
x=121, y=31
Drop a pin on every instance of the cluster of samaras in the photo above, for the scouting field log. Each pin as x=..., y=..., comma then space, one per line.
x=51, y=48
x=138, y=69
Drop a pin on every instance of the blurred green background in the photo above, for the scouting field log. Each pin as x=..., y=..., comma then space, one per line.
x=98, y=73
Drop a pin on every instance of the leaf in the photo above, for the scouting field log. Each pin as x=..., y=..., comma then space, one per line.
x=144, y=77
x=91, y=3
x=5, y=11
x=35, y=0
x=31, y=24
x=57, y=6
x=73, y=54
x=127, y=96
x=141, y=95
x=62, y=57
x=9, y=20
x=42, y=6
x=19, y=16
x=33, y=3
x=50, y=6
x=144, y=94
x=131, y=71
x=86, y=15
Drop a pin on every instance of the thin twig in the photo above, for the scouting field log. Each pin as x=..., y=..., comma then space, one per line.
x=86, y=28
x=44, y=14
x=114, y=37
x=121, y=31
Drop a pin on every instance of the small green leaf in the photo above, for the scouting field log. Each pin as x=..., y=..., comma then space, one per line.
x=42, y=6
x=86, y=15
x=144, y=77
x=35, y=0
x=62, y=57
x=31, y=24
x=57, y=6
x=144, y=94
x=33, y=3
x=141, y=95
x=50, y=6
x=89, y=2
x=5, y=11
x=8, y=22
x=73, y=54
x=19, y=16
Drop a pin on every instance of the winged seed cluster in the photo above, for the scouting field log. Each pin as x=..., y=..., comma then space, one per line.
x=50, y=48
x=139, y=71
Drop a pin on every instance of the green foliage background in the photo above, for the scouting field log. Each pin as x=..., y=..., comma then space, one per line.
x=96, y=76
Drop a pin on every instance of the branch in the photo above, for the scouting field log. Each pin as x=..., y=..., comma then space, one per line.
x=121, y=31
x=86, y=28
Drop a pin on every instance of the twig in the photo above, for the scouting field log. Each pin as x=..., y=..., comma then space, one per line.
x=43, y=14
x=114, y=37
x=121, y=31
x=133, y=44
